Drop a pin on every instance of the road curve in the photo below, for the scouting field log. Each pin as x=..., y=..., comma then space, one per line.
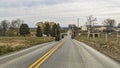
x=72, y=54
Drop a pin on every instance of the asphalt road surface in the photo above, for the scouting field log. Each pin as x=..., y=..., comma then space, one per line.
x=72, y=54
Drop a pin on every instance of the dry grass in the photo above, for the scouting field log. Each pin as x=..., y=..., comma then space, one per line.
x=10, y=44
x=110, y=48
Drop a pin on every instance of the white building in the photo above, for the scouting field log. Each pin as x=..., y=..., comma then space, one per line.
x=84, y=28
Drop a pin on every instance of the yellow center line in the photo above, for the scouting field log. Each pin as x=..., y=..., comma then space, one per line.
x=39, y=64
x=42, y=59
x=31, y=66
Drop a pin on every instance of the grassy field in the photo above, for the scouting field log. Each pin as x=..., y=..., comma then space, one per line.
x=110, y=48
x=10, y=44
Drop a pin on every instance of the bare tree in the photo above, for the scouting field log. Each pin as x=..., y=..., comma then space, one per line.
x=19, y=22
x=13, y=28
x=90, y=22
x=109, y=23
x=4, y=26
x=15, y=25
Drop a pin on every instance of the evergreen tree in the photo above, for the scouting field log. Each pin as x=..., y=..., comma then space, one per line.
x=47, y=29
x=24, y=29
x=53, y=30
x=58, y=29
x=39, y=32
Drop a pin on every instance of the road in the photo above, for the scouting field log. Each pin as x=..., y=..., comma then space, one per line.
x=70, y=54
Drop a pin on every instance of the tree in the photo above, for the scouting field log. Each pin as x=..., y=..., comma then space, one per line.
x=90, y=22
x=24, y=29
x=50, y=28
x=4, y=26
x=47, y=29
x=53, y=30
x=18, y=23
x=74, y=30
x=39, y=32
x=118, y=24
x=58, y=30
x=41, y=25
x=109, y=23
x=14, y=26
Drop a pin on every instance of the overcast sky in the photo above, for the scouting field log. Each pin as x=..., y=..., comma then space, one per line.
x=60, y=11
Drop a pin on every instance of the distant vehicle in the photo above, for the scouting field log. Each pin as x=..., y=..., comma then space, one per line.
x=62, y=36
x=57, y=38
x=72, y=36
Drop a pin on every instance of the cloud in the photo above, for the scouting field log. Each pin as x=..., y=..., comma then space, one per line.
x=63, y=11
x=29, y=3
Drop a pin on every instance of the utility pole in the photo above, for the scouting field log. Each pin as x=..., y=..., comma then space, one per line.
x=106, y=37
x=78, y=22
x=117, y=35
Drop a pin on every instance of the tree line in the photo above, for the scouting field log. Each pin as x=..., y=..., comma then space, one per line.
x=10, y=28
x=18, y=27
x=14, y=28
x=49, y=29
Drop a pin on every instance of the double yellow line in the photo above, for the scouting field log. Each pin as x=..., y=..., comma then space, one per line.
x=42, y=59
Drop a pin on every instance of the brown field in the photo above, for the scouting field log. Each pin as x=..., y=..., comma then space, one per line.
x=110, y=48
x=10, y=44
